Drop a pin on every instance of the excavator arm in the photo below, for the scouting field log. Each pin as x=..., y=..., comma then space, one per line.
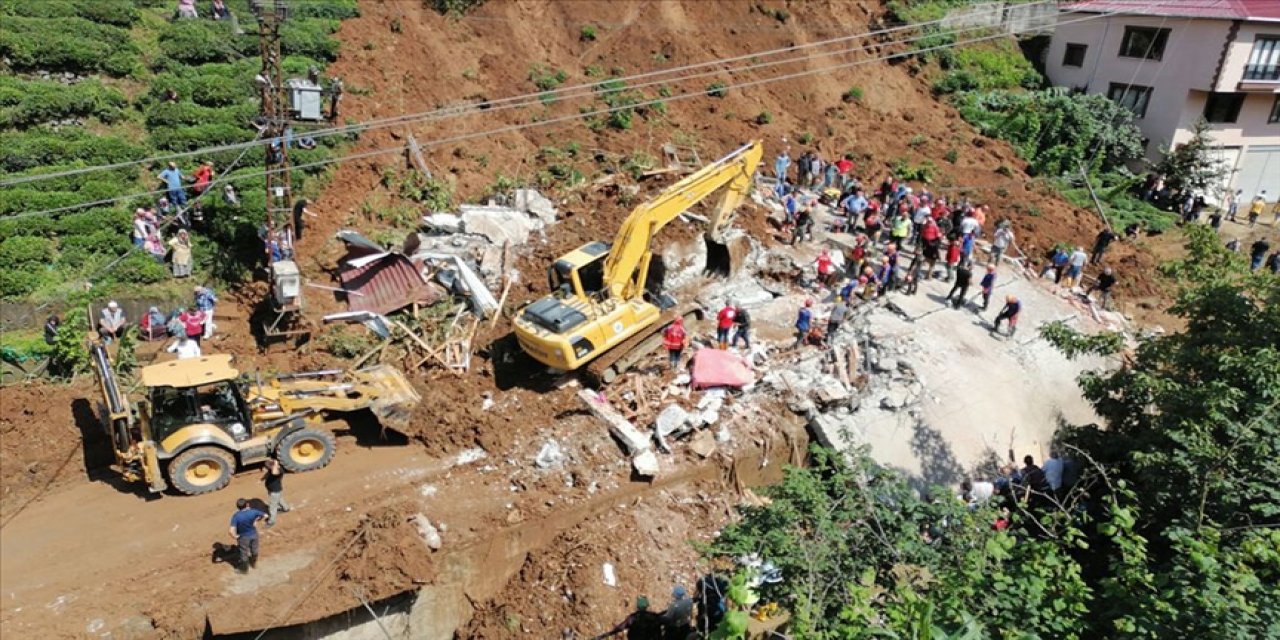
x=627, y=264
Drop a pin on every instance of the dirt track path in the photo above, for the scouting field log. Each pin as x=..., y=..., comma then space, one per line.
x=117, y=546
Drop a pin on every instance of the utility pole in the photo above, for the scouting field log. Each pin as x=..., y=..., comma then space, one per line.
x=274, y=114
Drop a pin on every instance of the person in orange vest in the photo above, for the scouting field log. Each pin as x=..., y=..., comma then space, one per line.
x=675, y=340
x=724, y=324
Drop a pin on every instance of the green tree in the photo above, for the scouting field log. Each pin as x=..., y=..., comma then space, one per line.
x=1190, y=439
x=1192, y=165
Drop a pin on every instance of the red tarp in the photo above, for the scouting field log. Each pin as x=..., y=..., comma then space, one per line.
x=716, y=368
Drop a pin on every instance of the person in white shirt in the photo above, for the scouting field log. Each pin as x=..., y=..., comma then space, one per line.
x=975, y=493
x=185, y=348
x=1075, y=267
x=1001, y=241
x=1053, y=468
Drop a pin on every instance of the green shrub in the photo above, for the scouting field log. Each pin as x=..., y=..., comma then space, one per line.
x=118, y=221
x=28, y=226
x=923, y=172
x=804, y=138
x=310, y=38
x=25, y=150
x=764, y=117
x=67, y=44
x=195, y=137
x=22, y=251
x=16, y=283
x=25, y=103
x=952, y=155
x=717, y=90
x=854, y=94
x=330, y=9
x=98, y=246
x=138, y=268
x=119, y=13
x=455, y=7
x=177, y=114
x=987, y=67
x=193, y=42
x=587, y=33
x=546, y=78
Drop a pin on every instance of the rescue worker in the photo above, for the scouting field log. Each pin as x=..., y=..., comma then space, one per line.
x=724, y=324
x=1012, y=307
x=675, y=340
x=988, y=284
x=804, y=320
x=742, y=328
x=642, y=624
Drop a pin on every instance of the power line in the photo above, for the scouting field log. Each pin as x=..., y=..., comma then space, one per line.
x=491, y=104
x=512, y=128
x=115, y=199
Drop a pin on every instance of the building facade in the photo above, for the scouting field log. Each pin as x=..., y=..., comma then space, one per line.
x=1173, y=62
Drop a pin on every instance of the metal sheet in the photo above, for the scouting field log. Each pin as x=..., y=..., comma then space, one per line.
x=385, y=285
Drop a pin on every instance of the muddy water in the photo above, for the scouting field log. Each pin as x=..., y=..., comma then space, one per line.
x=479, y=571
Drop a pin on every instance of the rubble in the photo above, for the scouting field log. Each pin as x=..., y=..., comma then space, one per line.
x=645, y=464
x=550, y=456
x=672, y=419
x=537, y=205
x=430, y=534
x=498, y=225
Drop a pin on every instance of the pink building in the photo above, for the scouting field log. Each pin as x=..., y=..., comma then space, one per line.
x=1174, y=61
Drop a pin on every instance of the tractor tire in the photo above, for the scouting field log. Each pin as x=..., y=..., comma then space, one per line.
x=201, y=470
x=306, y=450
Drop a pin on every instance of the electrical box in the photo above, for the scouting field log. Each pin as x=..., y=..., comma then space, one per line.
x=286, y=283
x=306, y=99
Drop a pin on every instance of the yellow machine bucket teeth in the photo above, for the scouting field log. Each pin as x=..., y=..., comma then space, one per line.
x=395, y=398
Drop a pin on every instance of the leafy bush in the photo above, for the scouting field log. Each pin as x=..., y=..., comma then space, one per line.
x=546, y=78
x=16, y=283
x=138, y=268
x=1056, y=131
x=923, y=172
x=854, y=94
x=25, y=103
x=193, y=42
x=310, y=38
x=119, y=13
x=455, y=7
x=989, y=66
x=21, y=251
x=67, y=44
x=29, y=226
x=28, y=149
x=764, y=117
x=717, y=90
x=1115, y=192
x=587, y=33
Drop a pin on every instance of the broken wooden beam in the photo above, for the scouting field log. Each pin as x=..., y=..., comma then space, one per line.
x=634, y=440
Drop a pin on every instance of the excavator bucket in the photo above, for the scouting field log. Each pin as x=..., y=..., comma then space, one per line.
x=394, y=397
x=726, y=256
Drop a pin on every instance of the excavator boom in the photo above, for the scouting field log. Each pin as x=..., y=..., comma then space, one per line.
x=600, y=299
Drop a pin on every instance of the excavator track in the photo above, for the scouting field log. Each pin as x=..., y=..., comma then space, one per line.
x=605, y=369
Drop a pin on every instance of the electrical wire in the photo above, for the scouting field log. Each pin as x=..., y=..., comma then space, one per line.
x=524, y=100
x=245, y=176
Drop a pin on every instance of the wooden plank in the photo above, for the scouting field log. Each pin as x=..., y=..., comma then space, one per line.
x=502, y=302
x=632, y=438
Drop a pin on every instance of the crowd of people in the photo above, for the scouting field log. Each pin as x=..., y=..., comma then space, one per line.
x=1029, y=487
x=186, y=327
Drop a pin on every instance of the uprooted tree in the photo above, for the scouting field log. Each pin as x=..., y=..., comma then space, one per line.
x=1172, y=530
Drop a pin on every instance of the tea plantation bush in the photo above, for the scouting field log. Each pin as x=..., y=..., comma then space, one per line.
x=29, y=149
x=119, y=13
x=67, y=44
x=25, y=103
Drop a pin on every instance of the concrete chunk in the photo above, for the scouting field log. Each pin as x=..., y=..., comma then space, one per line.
x=671, y=419
x=645, y=464
x=632, y=438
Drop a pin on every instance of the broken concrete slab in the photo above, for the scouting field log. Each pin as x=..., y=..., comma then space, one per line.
x=645, y=464
x=631, y=438
x=550, y=456
x=443, y=222
x=499, y=225
x=537, y=205
x=481, y=298
x=703, y=444
x=671, y=419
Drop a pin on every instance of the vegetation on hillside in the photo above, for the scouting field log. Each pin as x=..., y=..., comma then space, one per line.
x=114, y=81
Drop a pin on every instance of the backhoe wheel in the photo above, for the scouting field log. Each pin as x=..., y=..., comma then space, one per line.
x=201, y=470
x=306, y=450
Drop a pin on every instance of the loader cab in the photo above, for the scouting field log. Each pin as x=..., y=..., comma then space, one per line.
x=198, y=391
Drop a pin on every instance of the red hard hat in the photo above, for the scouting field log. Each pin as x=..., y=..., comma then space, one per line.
x=678, y=320
x=808, y=302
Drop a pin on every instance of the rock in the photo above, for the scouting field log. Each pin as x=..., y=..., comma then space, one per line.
x=632, y=438
x=831, y=393
x=897, y=398
x=709, y=417
x=713, y=399
x=682, y=380
x=430, y=535
x=443, y=222
x=801, y=406
x=886, y=365
x=549, y=456
x=537, y=205
x=645, y=464
x=671, y=419
x=703, y=444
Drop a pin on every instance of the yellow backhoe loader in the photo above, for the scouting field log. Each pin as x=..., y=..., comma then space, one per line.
x=604, y=310
x=200, y=420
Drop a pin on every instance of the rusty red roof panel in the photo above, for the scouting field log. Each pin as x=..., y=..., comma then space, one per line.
x=385, y=285
x=1267, y=10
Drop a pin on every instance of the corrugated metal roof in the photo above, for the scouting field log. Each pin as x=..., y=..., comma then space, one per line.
x=1264, y=10
x=385, y=285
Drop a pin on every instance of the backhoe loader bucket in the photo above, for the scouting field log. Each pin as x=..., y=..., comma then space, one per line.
x=395, y=397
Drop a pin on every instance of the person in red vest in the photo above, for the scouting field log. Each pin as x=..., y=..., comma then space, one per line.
x=724, y=323
x=675, y=340
x=193, y=322
x=826, y=268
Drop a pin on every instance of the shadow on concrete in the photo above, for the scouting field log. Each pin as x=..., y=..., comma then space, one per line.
x=938, y=462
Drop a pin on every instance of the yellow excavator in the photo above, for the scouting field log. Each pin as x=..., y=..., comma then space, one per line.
x=200, y=420
x=605, y=311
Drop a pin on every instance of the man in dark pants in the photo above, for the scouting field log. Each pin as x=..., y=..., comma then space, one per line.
x=963, y=275
x=742, y=328
x=1012, y=307
x=1100, y=244
x=244, y=529
x=273, y=478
